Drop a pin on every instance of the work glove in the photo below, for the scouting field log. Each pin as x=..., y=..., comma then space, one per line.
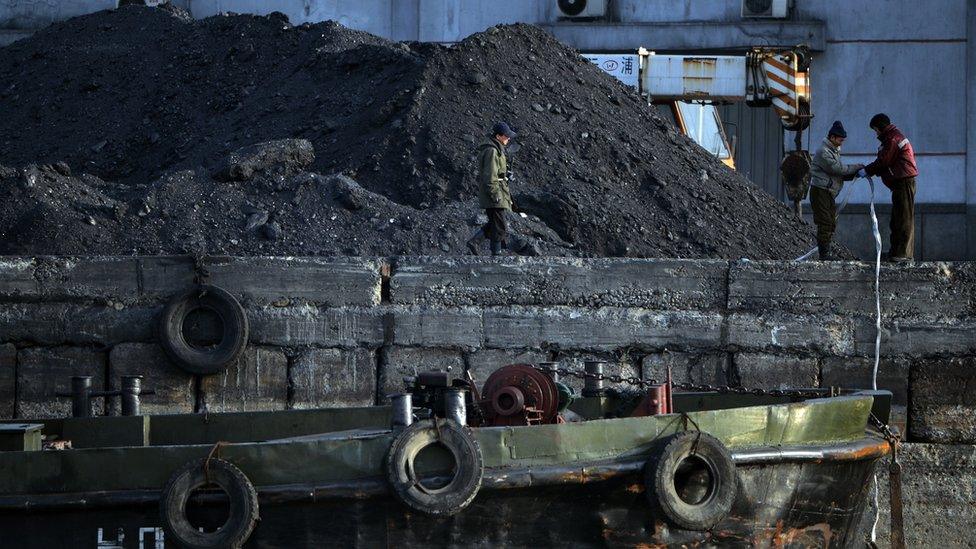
x=862, y=173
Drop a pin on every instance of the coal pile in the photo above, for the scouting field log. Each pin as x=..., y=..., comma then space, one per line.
x=143, y=131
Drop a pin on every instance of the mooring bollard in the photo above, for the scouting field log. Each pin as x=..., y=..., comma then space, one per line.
x=593, y=384
x=402, y=411
x=131, y=389
x=81, y=396
x=550, y=368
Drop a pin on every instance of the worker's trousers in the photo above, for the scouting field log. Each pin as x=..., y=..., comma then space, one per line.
x=824, y=214
x=903, y=218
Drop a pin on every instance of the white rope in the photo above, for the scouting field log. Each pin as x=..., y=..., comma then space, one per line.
x=877, y=513
x=877, y=289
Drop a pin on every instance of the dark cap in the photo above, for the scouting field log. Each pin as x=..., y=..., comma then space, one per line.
x=880, y=121
x=837, y=129
x=502, y=128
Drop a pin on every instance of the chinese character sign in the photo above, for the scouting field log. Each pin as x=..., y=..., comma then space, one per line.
x=621, y=67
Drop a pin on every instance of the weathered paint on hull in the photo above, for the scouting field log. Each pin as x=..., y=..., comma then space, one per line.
x=803, y=504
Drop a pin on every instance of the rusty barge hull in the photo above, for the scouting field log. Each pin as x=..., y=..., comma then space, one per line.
x=786, y=498
x=802, y=475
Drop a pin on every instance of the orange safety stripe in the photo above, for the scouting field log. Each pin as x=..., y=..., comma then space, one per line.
x=786, y=99
x=789, y=85
x=781, y=66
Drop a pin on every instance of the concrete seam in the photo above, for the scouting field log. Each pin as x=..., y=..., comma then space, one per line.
x=199, y=402
x=16, y=403
x=382, y=361
x=290, y=385
x=109, y=402
x=734, y=379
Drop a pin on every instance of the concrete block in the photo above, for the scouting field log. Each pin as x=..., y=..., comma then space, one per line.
x=398, y=362
x=917, y=337
x=856, y=373
x=483, y=362
x=61, y=324
x=42, y=372
x=709, y=369
x=943, y=401
x=328, y=378
x=764, y=371
x=331, y=282
x=259, y=381
x=8, y=380
x=647, y=283
x=174, y=388
x=923, y=289
x=430, y=327
x=307, y=325
x=939, y=495
x=601, y=329
x=779, y=333
x=17, y=277
x=259, y=280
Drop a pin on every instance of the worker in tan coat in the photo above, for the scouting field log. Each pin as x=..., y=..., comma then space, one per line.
x=493, y=192
x=827, y=176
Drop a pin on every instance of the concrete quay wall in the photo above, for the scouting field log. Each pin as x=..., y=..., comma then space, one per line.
x=344, y=331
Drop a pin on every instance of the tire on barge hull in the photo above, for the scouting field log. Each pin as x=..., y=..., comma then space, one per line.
x=691, y=480
x=463, y=485
x=241, y=495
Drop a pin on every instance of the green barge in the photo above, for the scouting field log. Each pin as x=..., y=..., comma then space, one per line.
x=452, y=467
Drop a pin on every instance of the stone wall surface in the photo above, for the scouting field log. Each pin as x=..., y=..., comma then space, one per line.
x=345, y=331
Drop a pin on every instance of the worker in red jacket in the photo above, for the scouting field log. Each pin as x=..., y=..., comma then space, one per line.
x=896, y=166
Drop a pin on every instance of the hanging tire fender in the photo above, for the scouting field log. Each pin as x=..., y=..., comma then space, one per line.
x=242, y=497
x=691, y=480
x=201, y=360
x=463, y=486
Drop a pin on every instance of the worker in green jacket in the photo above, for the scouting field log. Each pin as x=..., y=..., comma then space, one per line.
x=827, y=176
x=493, y=193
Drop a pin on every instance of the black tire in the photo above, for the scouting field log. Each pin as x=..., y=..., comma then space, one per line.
x=200, y=360
x=674, y=475
x=468, y=472
x=243, y=508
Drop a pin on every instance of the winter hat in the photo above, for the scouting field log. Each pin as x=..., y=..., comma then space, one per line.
x=880, y=121
x=838, y=130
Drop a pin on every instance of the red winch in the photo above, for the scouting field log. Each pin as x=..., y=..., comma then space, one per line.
x=519, y=394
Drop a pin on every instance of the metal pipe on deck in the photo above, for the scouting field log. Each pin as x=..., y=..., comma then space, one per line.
x=81, y=396
x=402, y=411
x=454, y=406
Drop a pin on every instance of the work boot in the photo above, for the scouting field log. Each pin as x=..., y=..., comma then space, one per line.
x=473, y=242
x=824, y=250
x=496, y=247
